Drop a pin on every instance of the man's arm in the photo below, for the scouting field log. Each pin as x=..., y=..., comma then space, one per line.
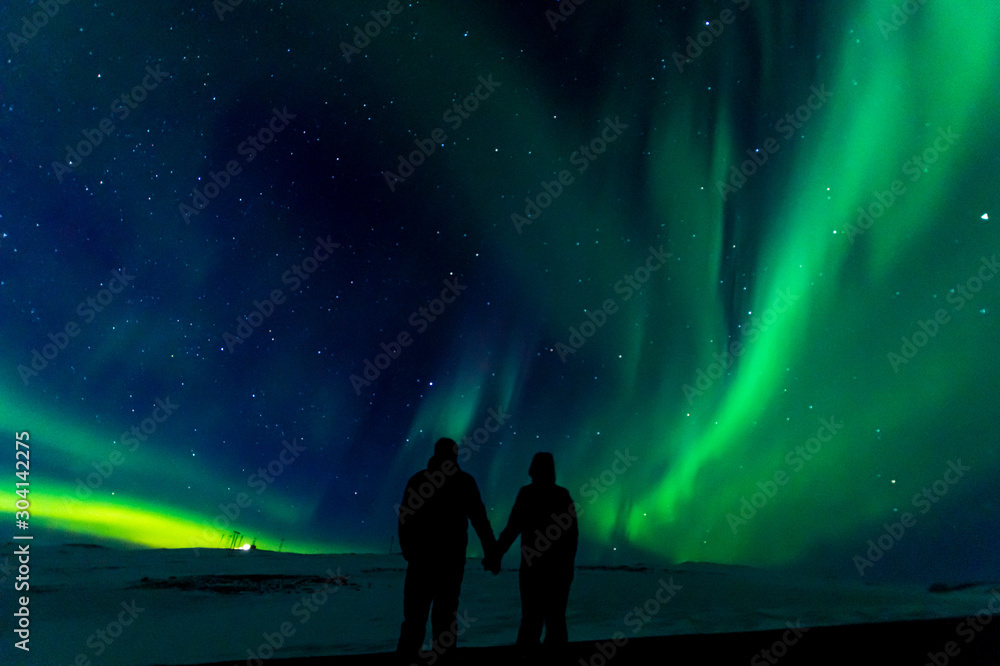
x=476, y=511
x=404, y=528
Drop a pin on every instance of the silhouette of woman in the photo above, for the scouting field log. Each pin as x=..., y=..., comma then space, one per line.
x=544, y=516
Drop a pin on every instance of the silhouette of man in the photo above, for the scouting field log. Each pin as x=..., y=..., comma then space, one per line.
x=544, y=516
x=438, y=504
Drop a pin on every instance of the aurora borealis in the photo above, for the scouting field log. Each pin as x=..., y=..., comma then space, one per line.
x=736, y=241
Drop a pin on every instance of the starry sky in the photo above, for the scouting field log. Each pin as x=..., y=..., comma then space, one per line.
x=732, y=262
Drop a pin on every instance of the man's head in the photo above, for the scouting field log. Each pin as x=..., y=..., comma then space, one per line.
x=446, y=449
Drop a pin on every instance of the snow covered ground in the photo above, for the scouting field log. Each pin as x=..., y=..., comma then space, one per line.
x=97, y=605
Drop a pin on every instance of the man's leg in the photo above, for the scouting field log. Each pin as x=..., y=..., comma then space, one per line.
x=416, y=605
x=449, y=586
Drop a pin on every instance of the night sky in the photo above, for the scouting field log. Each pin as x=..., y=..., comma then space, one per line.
x=733, y=263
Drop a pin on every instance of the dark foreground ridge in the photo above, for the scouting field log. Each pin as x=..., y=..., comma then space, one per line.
x=916, y=643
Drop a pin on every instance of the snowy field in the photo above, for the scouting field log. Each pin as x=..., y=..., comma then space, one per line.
x=97, y=605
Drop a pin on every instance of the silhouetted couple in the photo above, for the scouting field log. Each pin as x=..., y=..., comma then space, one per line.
x=437, y=506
